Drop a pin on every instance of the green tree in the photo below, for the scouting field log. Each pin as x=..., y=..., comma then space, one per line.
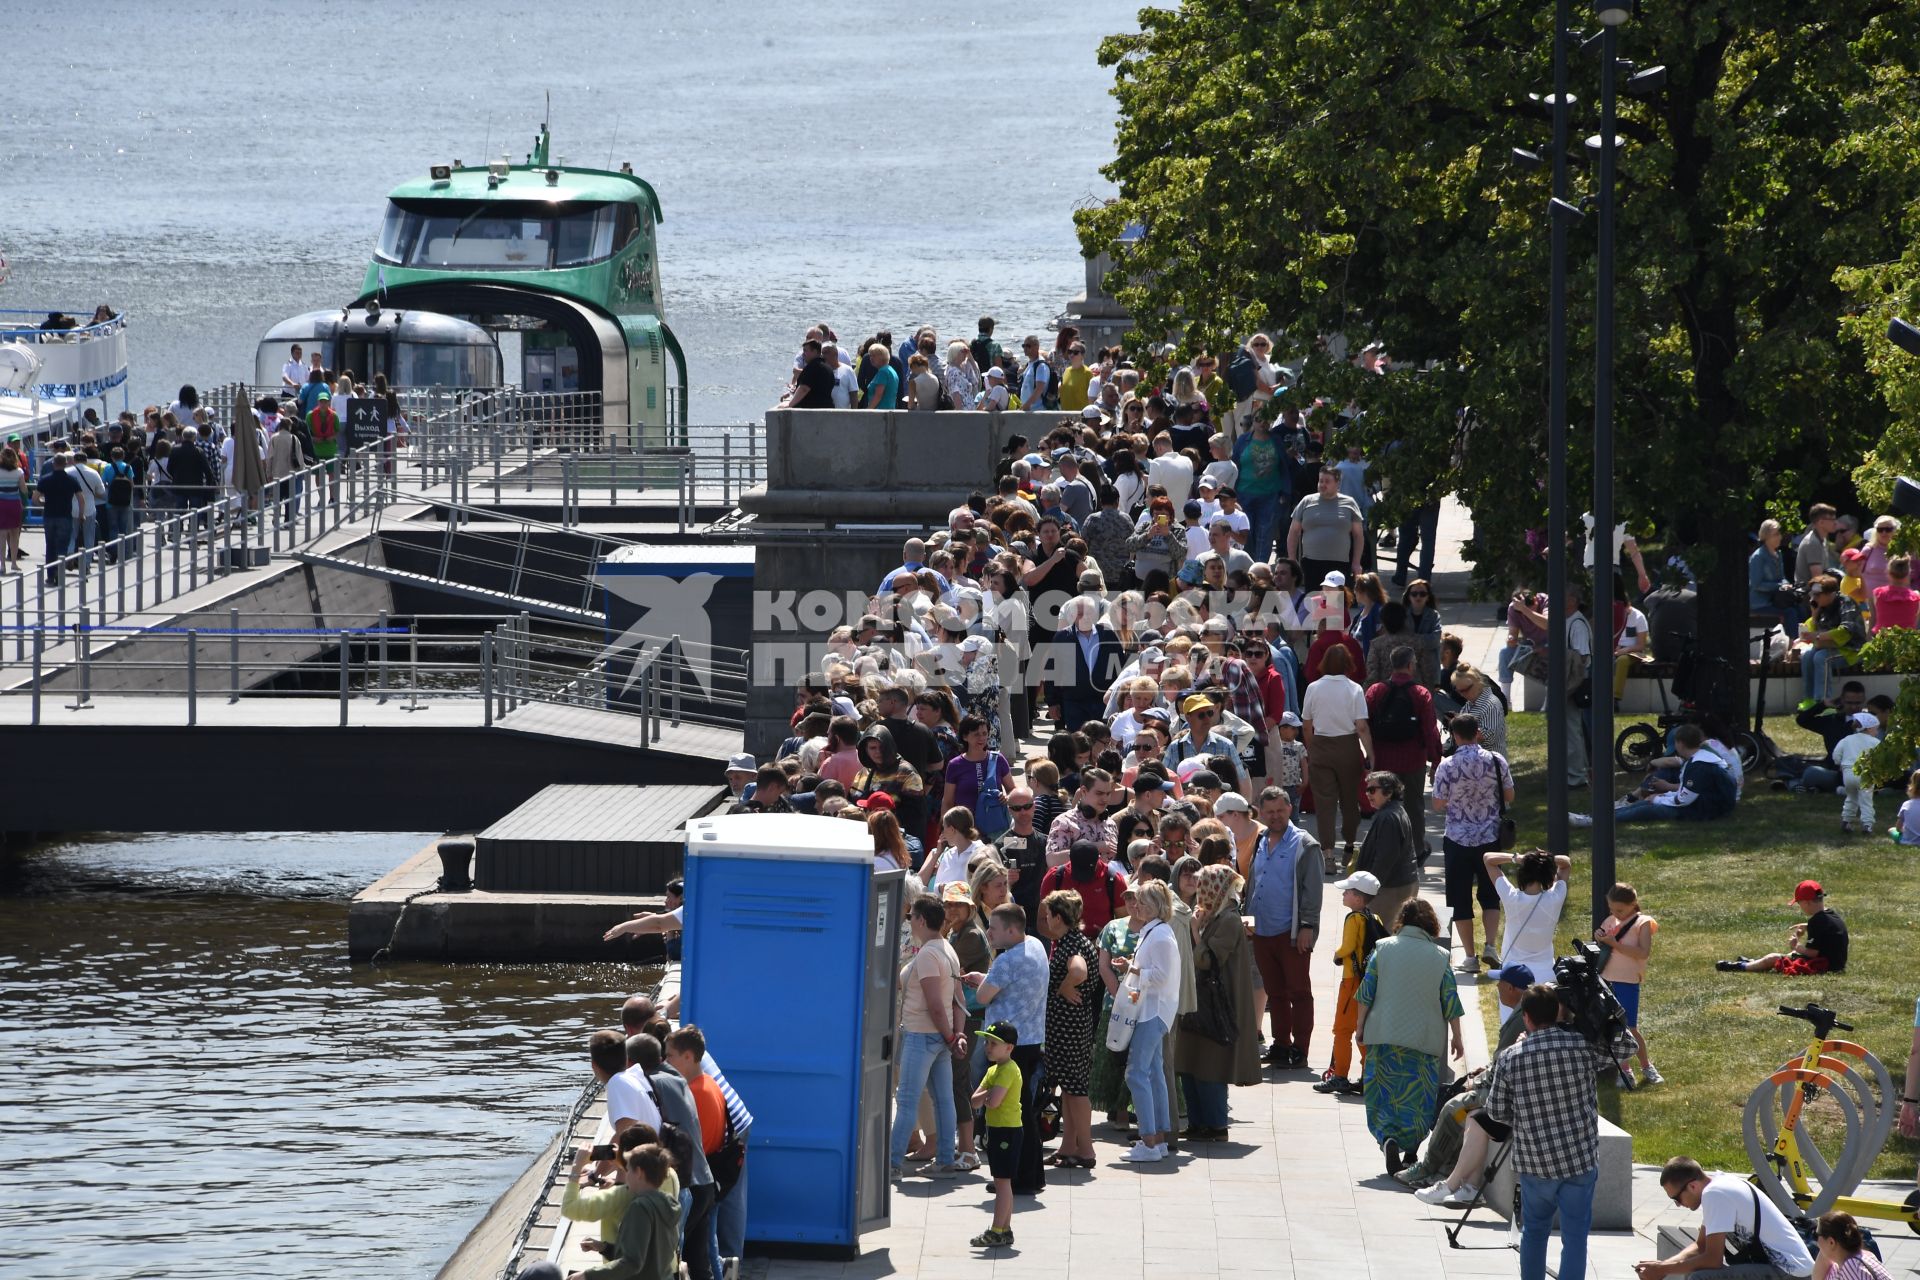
x=1343, y=167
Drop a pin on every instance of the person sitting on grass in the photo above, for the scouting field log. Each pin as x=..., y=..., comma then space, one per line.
x=1703, y=791
x=1907, y=828
x=1817, y=944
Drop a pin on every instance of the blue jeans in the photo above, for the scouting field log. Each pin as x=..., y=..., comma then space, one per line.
x=59, y=531
x=923, y=1063
x=1509, y=654
x=1816, y=670
x=1147, y=1078
x=702, y=1252
x=1645, y=811
x=1539, y=1198
x=114, y=521
x=1422, y=526
x=1817, y=777
x=731, y=1216
x=1206, y=1102
x=1263, y=516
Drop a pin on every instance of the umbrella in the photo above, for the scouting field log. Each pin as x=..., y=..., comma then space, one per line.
x=249, y=477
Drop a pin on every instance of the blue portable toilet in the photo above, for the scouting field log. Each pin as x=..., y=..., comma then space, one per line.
x=790, y=968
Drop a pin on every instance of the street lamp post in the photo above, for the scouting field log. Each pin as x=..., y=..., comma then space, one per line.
x=1611, y=14
x=1557, y=211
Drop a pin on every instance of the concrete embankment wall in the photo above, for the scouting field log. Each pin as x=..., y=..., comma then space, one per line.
x=859, y=464
x=296, y=597
x=897, y=473
x=289, y=778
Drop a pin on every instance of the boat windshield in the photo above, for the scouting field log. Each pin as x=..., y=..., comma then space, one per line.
x=501, y=235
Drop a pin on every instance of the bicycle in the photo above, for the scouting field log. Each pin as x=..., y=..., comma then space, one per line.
x=1787, y=1163
x=1640, y=743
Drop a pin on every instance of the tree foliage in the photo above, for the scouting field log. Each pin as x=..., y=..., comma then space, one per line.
x=1319, y=167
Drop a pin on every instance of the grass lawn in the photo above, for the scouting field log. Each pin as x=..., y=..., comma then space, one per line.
x=1722, y=889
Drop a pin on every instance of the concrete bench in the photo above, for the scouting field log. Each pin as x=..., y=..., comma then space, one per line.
x=1612, y=1195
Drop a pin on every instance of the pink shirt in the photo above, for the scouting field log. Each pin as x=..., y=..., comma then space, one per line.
x=1895, y=607
x=841, y=766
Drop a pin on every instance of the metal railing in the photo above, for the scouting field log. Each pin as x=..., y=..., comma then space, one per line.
x=658, y=682
x=176, y=551
x=484, y=543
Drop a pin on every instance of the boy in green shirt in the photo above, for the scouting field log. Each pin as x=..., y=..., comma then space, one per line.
x=644, y=1249
x=999, y=1093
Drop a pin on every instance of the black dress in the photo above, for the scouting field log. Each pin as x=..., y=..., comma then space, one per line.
x=1070, y=1026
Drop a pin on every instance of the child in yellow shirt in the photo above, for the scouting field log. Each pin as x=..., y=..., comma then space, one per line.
x=1357, y=936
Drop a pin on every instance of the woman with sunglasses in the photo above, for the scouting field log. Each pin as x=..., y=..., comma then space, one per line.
x=1423, y=614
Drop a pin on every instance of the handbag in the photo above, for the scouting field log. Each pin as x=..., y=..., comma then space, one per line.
x=1212, y=1018
x=1126, y=1013
x=990, y=813
x=1509, y=831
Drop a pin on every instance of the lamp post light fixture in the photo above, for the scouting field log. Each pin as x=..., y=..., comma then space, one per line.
x=1904, y=336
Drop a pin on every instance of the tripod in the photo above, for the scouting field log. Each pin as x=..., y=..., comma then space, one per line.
x=1480, y=1198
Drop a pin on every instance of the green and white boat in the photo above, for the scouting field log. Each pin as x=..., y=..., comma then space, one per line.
x=542, y=275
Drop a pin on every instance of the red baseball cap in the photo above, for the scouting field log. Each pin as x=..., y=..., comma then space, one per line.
x=1808, y=889
x=881, y=800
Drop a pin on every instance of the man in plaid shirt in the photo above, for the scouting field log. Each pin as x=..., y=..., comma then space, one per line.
x=1545, y=1087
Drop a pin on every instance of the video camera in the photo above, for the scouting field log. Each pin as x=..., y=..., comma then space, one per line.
x=1591, y=1007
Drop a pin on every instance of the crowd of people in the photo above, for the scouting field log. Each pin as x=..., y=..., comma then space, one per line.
x=1180, y=582
x=105, y=480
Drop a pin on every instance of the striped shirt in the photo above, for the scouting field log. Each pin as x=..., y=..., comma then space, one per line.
x=736, y=1109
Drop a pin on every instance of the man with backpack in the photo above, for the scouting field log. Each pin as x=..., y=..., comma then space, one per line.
x=986, y=352
x=1406, y=734
x=116, y=513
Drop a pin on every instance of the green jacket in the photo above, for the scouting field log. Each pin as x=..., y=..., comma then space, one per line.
x=1409, y=992
x=644, y=1248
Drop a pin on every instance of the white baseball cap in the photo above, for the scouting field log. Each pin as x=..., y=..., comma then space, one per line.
x=1232, y=802
x=1363, y=881
x=1865, y=720
x=1334, y=578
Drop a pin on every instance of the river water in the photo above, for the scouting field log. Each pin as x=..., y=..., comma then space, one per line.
x=214, y=166
x=195, y=1082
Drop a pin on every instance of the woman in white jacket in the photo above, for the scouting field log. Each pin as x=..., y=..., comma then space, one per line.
x=1156, y=973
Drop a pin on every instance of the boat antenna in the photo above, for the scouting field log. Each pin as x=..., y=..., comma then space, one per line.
x=485, y=150
x=610, y=141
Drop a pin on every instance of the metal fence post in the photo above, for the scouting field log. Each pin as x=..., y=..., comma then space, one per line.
x=726, y=466
x=193, y=677
x=646, y=706
x=86, y=665
x=679, y=656
x=486, y=677
x=36, y=684
x=233, y=655
x=383, y=657
x=345, y=659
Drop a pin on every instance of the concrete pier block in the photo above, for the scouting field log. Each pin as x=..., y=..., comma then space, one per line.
x=1612, y=1195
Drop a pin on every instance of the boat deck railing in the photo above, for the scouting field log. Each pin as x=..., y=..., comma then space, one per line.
x=28, y=326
